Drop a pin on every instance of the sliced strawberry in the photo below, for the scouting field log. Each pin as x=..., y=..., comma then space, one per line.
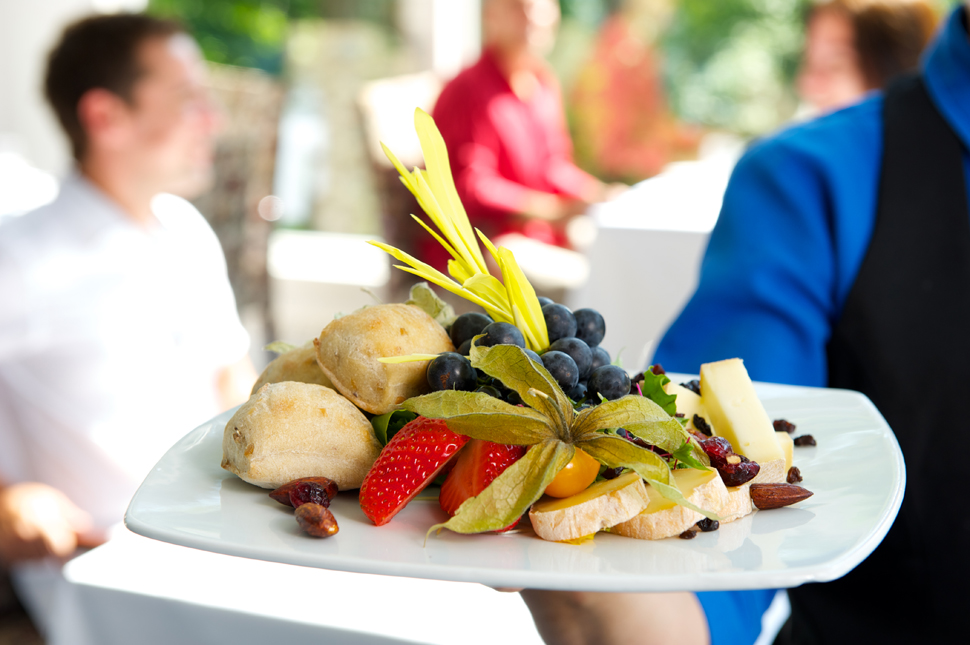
x=478, y=464
x=408, y=463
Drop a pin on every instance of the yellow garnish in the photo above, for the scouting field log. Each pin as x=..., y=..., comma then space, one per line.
x=511, y=299
x=410, y=358
x=579, y=540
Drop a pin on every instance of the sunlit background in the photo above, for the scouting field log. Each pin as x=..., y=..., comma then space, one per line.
x=309, y=87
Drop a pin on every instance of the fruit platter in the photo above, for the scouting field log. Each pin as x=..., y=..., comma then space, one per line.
x=504, y=446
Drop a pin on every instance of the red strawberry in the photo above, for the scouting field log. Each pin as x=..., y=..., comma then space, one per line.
x=408, y=463
x=478, y=464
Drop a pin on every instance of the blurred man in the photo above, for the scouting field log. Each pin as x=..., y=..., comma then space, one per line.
x=503, y=123
x=118, y=328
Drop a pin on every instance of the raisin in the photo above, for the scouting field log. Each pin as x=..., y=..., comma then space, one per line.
x=804, y=440
x=639, y=378
x=611, y=473
x=309, y=493
x=708, y=525
x=679, y=415
x=781, y=425
x=794, y=475
x=694, y=386
x=657, y=369
x=688, y=535
x=701, y=424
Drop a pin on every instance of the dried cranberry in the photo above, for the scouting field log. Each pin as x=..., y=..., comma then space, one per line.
x=804, y=440
x=717, y=448
x=657, y=369
x=309, y=493
x=639, y=378
x=282, y=494
x=694, y=386
x=736, y=474
x=679, y=415
x=701, y=424
x=688, y=535
x=794, y=475
x=781, y=425
x=734, y=469
x=708, y=525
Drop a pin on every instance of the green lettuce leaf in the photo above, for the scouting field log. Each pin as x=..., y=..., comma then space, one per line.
x=686, y=455
x=387, y=425
x=653, y=388
x=279, y=347
x=424, y=297
x=511, y=494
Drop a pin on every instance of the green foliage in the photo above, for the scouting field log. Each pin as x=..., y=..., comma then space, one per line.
x=731, y=63
x=252, y=33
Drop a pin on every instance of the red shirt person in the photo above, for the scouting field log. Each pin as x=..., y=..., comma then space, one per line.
x=503, y=123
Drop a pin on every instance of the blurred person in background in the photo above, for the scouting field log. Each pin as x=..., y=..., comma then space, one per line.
x=624, y=127
x=856, y=46
x=504, y=125
x=118, y=328
x=841, y=258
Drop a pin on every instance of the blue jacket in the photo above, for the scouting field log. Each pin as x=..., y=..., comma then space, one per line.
x=796, y=222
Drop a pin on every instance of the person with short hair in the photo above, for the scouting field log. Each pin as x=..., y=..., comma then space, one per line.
x=118, y=329
x=856, y=46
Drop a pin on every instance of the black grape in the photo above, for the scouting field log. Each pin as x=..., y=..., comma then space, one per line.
x=590, y=326
x=451, y=371
x=467, y=326
x=610, y=381
x=578, y=350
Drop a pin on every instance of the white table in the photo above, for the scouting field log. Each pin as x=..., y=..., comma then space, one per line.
x=137, y=590
x=646, y=256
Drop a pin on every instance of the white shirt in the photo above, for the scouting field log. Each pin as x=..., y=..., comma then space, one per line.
x=111, y=339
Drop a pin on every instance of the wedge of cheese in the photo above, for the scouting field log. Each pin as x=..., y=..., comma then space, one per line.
x=737, y=415
x=599, y=507
x=738, y=504
x=688, y=403
x=662, y=518
x=787, y=445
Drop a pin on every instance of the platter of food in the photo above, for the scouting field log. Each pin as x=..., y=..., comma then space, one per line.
x=855, y=471
x=506, y=447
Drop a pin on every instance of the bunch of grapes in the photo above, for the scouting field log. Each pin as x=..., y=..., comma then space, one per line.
x=574, y=358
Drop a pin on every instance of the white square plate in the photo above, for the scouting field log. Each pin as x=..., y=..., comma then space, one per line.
x=856, y=472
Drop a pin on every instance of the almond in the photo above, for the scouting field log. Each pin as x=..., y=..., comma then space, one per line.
x=316, y=520
x=765, y=496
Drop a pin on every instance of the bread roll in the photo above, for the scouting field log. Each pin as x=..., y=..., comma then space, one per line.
x=299, y=364
x=349, y=348
x=289, y=430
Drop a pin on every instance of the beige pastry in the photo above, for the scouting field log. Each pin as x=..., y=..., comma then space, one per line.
x=299, y=364
x=663, y=519
x=289, y=430
x=598, y=507
x=349, y=348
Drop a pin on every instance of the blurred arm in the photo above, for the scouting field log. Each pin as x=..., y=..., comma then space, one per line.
x=235, y=382
x=579, y=618
x=37, y=521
